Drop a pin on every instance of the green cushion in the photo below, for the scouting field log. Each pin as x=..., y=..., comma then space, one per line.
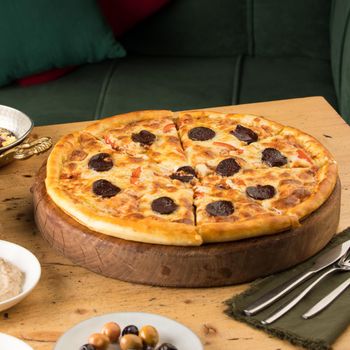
x=49, y=34
x=192, y=28
x=340, y=54
x=143, y=82
x=290, y=27
x=266, y=78
x=74, y=97
x=176, y=83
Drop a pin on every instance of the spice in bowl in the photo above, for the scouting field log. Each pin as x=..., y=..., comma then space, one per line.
x=6, y=137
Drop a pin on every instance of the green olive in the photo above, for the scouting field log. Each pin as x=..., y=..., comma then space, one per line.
x=149, y=335
x=99, y=341
x=112, y=331
x=130, y=342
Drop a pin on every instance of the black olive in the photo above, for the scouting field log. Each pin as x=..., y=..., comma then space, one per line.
x=131, y=329
x=167, y=346
x=87, y=347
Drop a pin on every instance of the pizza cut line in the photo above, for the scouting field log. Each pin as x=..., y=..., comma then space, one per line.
x=191, y=178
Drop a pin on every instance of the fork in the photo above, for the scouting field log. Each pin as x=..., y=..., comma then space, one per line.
x=342, y=265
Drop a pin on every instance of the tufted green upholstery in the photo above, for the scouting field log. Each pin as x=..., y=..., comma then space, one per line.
x=195, y=54
x=340, y=54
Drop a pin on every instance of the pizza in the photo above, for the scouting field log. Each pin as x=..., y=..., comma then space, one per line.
x=189, y=178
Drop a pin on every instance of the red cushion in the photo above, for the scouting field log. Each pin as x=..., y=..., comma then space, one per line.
x=45, y=76
x=122, y=15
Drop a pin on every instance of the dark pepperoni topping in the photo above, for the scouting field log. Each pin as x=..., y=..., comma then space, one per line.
x=261, y=192
x=244, y=134
x=144, y=137
x=228, y=167
x=184, y=174
x=101, y=162
x=273, y=157
x=105, y=189
x=201, y=133
x=220, y=208
x=164, y=205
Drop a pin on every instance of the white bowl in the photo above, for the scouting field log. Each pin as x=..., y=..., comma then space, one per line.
x=169, y=330
x=7, y=342
x=27, y=263
x=16, y=122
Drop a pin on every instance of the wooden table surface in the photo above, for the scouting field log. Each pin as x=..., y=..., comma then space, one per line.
x=68, y=294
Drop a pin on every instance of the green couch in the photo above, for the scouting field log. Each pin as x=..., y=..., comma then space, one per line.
x=200, y=53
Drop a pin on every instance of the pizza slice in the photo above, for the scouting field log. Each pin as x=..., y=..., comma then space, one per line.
x=209, y=137
x=296, y=192
x=225, y=213
x=144, y=212
x=148, y=135
x=288, y=149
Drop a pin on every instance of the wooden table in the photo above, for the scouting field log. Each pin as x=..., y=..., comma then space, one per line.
x=68, y=294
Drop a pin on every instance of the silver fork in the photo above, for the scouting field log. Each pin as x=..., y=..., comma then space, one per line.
x=342, y=265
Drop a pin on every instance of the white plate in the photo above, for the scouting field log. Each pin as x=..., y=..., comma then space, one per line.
x=7, y=342
x=27, y=263
x=169, y=330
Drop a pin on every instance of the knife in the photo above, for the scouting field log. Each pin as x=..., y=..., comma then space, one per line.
x=322, y=262
x=328, y=299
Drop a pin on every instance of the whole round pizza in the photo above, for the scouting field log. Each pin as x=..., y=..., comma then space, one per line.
x=189, y=178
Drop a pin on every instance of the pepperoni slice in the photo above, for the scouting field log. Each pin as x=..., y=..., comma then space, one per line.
x=228, y=167
x=105, y=189
x=101, y=162
x=261, y=192
x=220, y=208
x=164, y=205
x=273, y=157
x=201, y=133
x=244, y=134
x=144, y=137
x=184, y=174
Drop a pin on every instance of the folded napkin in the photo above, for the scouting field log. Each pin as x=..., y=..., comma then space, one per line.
x=317, y=333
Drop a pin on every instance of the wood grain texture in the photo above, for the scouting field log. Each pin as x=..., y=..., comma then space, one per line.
x=210, y=265
x=68, y=294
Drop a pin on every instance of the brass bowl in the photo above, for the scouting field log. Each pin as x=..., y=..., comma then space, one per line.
x=16, y=122
x=21, y=126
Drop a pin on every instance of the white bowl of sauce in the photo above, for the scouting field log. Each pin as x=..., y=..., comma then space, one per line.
x=20, y=271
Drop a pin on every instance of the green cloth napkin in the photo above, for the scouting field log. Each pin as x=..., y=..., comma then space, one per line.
x=317, y=333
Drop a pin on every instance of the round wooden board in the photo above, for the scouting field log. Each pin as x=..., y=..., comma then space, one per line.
x=210, y=265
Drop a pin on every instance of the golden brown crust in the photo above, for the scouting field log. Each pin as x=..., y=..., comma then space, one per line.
x=326, y=181
x=75, y=149
x=122, y=119
x=227, y=231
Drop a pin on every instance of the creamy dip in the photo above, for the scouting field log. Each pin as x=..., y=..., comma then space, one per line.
x=11, y=280
x=6, y=137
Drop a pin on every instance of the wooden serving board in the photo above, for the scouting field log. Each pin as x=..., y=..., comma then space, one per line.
x=210, y=265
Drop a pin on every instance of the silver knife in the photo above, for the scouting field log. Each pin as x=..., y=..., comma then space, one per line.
x=322, y=262
x=328, y=299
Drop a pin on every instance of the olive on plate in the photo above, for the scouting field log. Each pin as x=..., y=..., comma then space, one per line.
x=149, y=335
x=131, y=329
x=130, y=342
x=99, y=341
x=112, y=331
x=87, y=347
x=167, y=346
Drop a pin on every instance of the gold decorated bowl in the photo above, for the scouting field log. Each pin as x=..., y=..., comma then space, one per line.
x=20, y=125
x=16, y=122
